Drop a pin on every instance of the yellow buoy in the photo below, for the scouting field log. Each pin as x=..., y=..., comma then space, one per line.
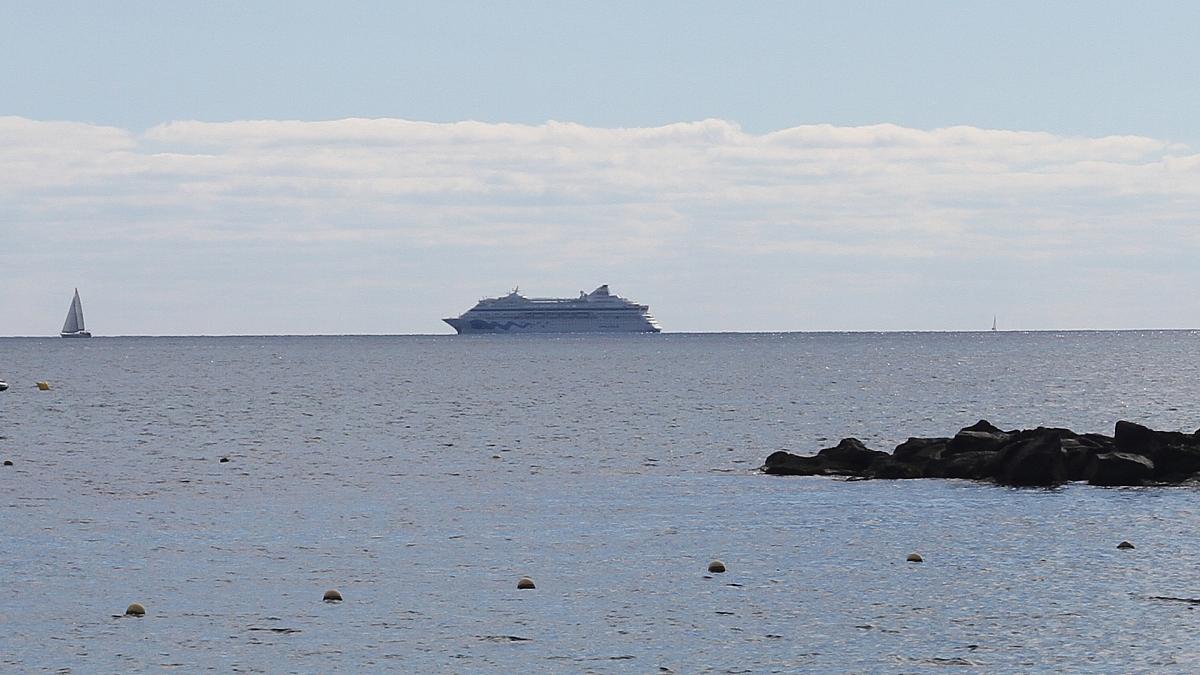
x=43, y=385
x=135, y=609
x=525, y=583
x=716, y=567
x=332, y=596
x=915, y=557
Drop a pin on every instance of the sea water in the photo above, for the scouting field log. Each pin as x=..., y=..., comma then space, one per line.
x=422, y=476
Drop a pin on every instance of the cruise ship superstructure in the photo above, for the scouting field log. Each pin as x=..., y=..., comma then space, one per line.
x=595, y=312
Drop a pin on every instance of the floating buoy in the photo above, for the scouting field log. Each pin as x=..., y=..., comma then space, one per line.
x=3, y=385
x=915, y=557
x=135, y=609
x=332, y=596
x=525, y=583
x=1124, y=544
x=8, y=462
x=43, y=385
x=716, y=567
x=224, y=459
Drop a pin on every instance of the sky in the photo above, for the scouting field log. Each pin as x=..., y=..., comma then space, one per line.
x=310, y=167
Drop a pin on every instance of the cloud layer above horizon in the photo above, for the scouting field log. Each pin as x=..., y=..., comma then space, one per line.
x=838, y=207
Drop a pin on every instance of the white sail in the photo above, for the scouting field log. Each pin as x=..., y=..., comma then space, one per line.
x=74, y=322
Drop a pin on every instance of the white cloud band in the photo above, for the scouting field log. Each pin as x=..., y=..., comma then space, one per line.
x=880, y=190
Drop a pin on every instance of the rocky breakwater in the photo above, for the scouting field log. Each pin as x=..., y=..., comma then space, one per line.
x=1133, y=455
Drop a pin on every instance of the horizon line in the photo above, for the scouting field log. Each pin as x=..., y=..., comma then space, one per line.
x=622, y=334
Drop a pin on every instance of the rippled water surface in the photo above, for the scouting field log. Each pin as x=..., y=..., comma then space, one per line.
x=421, y=476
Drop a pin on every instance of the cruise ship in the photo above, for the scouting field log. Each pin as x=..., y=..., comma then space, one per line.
x=595, y=312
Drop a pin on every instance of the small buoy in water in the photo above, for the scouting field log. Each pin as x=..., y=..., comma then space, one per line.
x=525, y=583
x=224, y=459
x=8, y=462
x=3, y=385
x=716, y=567
x=332, y=596
x=43, y=385
x=1124, y=544
x=135, y=609
x=915, y=557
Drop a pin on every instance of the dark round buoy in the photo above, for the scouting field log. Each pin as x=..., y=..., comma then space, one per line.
x=224, y=459
x=332, y=596
x=8, y=462
x=915, y=557
x=1125, y=544
x=525, y=583
x=135, y=609
x=716, y=567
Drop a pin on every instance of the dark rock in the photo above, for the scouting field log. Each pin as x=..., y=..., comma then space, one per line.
x=784, y=463
x=978, y=465
x=1037, y=460
x=1105, y=443
x=1119, y=468
x=976, y=441
x=920, y=450
x=984, y=426
x=1080, y=452
x=1176, y=463
x=849, y=456
x=1055, y=433
x=1139, y=440
x=1176, y=455
x=890, y=468
x=1043, y=456
x=1136, y=439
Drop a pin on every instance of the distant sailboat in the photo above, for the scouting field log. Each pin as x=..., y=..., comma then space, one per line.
x=73, y=327
x=993, y=322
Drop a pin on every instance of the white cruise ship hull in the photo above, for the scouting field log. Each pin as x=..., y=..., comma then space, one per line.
x=595, y=312
x=465, y=325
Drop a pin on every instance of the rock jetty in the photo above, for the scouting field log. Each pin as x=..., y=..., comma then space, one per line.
x=1133, y=455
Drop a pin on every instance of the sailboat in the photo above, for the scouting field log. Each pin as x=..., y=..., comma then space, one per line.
x=73, y=326
x=993, y=322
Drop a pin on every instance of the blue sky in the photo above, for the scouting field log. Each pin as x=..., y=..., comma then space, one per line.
x=209, y=167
